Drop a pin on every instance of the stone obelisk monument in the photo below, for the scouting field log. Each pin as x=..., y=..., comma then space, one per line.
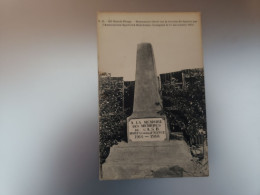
x=147, y=123
x=149, y=152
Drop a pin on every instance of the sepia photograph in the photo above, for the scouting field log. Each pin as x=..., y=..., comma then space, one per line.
x=109, y=97
x=152, y=112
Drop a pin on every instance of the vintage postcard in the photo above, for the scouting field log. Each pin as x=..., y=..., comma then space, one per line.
x=152, y=113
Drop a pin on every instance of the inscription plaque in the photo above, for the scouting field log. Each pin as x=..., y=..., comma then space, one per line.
x=147, y=129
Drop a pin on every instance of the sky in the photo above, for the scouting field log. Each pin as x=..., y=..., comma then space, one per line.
x=175, y=47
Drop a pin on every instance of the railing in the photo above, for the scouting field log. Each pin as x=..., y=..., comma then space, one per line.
x=197, y=139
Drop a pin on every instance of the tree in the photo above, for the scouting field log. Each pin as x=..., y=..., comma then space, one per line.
x=185, y=107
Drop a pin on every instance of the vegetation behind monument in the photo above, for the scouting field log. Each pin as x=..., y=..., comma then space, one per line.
x=183, y=95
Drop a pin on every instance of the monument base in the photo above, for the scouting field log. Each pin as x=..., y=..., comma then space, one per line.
x=148, y=160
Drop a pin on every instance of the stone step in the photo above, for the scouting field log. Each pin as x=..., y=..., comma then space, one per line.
x=148, y=159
